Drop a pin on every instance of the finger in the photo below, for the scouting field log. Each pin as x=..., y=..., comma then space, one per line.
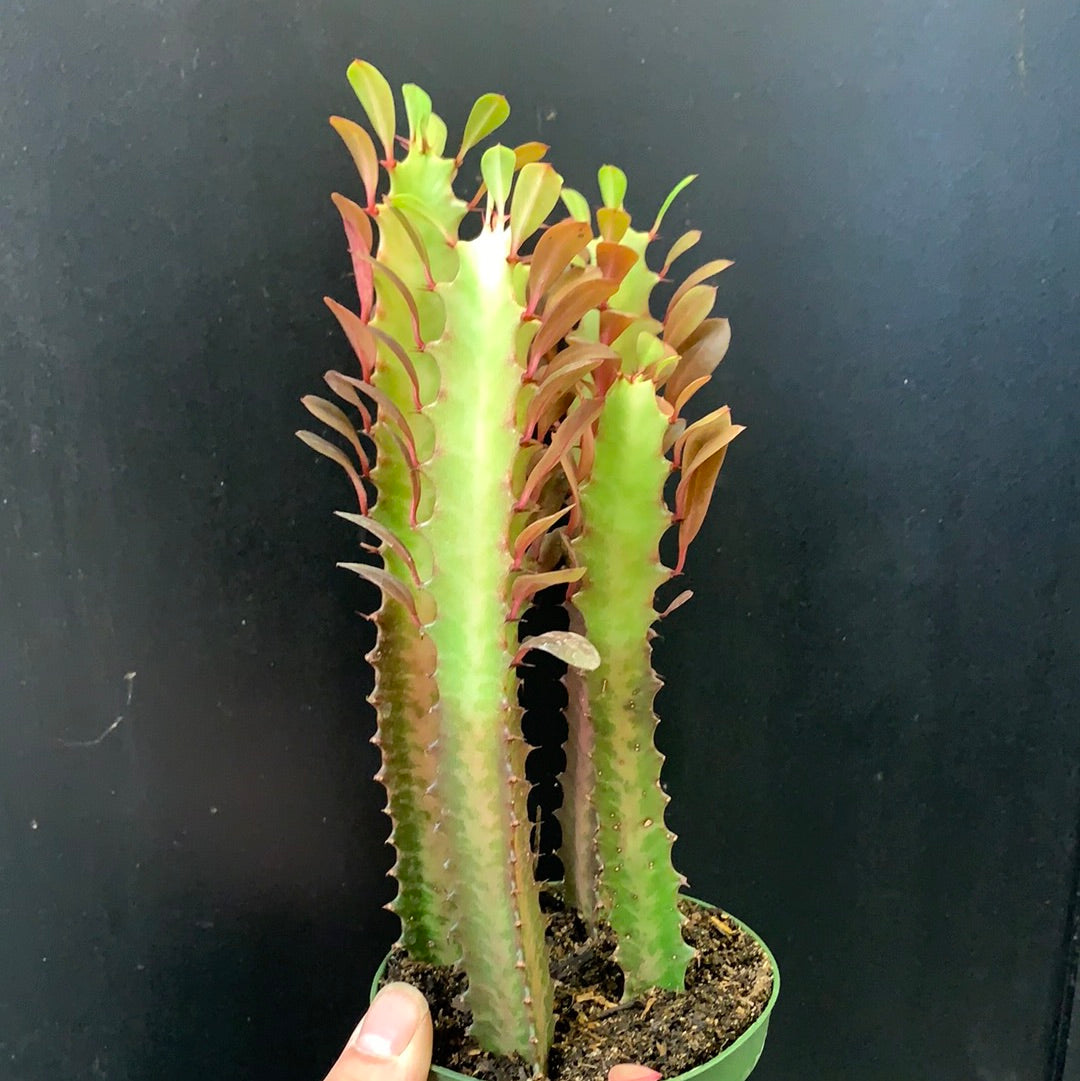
x=631, y=1071
x=392, y=1042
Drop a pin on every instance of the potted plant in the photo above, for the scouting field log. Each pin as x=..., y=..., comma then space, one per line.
x=513, y=420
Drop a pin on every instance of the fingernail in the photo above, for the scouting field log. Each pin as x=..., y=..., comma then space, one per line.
x=390, y=1023
x=631, y=1071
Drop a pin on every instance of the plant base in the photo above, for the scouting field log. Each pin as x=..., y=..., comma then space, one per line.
x=714, y=1031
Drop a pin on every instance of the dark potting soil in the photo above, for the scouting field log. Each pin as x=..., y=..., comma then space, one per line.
x=728, y=985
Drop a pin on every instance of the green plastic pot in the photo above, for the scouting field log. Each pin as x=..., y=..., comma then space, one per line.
x=735, y=1063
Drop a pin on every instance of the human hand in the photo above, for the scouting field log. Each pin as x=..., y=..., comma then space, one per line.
x=393, y=1043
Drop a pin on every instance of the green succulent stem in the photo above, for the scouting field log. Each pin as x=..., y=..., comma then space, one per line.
x=482, y=784
x=625, y=516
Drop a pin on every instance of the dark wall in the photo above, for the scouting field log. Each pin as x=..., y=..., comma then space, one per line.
x=871, y=704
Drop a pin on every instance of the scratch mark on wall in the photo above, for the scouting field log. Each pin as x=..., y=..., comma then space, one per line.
x=129, y=680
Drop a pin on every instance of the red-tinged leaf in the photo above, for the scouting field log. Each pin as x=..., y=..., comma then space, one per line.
x=666, y=205
x=389, y=412
x=488, y=113
x=364, y=154
x=403, y=291
x=535, y=195
x=375, y=95
x=678, y=602
x=613, y=324
x=700, y=432
x=526, y=586
x=358, y=234
x=332, y=416
x=686, y=316
x=615, y=260
x=563, y=439
x=340, y=385
x=569, y=647
x=390, y=586
x=386, y=536
x=674, y=433
x=585, y=295
x=573, y=353
x=703, y=273
x=701, y=353
x=697, y=496
x=403, y=358
x=687, y=392
x=358, y=333
x=612, y=223
x=414, y=478
x=554, y=386
x=415, y=240
x=554, y=252
x=586, y=452
x=336, y=454
x=573, y=524
x=535, y=529
x=680, y=247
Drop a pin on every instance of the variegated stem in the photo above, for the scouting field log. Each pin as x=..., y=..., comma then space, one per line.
x=482, y=784
x=624, y=517
x=577, y=816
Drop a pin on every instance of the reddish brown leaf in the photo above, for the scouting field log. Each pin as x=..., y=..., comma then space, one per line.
x=557, y=383
x=536, y=528
x=358, y=333
x=528, y=585
x=363, y=152
x=402, y=289
x=678, y=602
x=332, y=416
x=339, y=384
x=703, y=273
x=695, y=499
x=612, y=325
x=358, y=233
x=388, y=411
x=554, y=251
x=686, y=316
x=387, y=536
x=402, y=355
x=573, y=524
x=564, y=438
x=615, y=260
x=701, y=353
x=392, y=587
x=585, y=295
x=336, y=454
x=415, y=240
x=570, y=647
x=688, y=392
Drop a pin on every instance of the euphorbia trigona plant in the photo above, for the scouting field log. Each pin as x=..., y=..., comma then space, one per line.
x=514, y=414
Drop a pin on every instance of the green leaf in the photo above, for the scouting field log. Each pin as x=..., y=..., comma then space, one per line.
x=417, y=109
x=370, y=86
x=666, y=205
x=497, y=168
x=535, y=195
x=488, y=113
x=363, y=152
x=576, y=204
x=612, y=182
x=435, y=134
x=574, y=649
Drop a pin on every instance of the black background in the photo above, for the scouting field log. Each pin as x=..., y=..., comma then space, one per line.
x=871, y=712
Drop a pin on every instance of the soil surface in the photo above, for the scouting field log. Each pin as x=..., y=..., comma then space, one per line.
x=728, y=985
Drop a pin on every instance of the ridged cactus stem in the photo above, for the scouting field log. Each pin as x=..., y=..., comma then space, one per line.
x=625, y=517
x=482, y=784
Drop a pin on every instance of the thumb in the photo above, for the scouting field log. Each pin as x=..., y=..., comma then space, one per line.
x=392, y=1042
